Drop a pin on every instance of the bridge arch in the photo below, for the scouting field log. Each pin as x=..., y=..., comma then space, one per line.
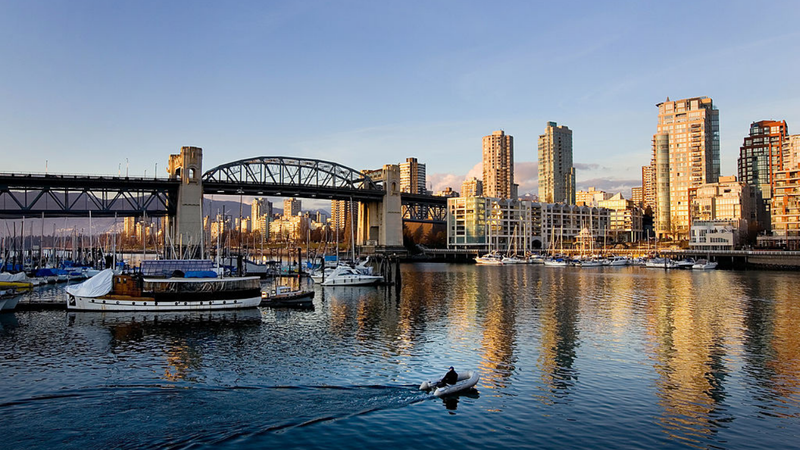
x=291, y=176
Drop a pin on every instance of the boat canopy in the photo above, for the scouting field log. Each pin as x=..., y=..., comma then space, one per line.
x=166, y=267
x=16, y=277
x=45, y=273
x=201, y=274
x=99, y=285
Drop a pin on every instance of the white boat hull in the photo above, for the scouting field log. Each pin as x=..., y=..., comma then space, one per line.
x=356, y=280
x=142, y=304
x=11, y=302
x=465, y=381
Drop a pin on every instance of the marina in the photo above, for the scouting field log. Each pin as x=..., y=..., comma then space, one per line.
x=609, y=357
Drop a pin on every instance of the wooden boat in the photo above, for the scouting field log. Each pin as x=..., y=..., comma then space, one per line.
x=193, y=290
x=286, y=296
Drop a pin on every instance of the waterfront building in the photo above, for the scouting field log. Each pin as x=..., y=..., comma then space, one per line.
x=129, y=225
x=786, y=210
x=291, y=228
x=340, y=214
x=498, y=166
x=447, y=192
x=591, y=197
x=291, y=207
x=717, y=235
x=728, y=206
x=472, y=188
x=685, y=155
x=727, y=199
x=792, y=151
x=260, y=212
x=519, y=226
x=624, y=219
x=556, y=173
x=764, y=152
x=637, y=195
x=412, y=177
x=648, y=186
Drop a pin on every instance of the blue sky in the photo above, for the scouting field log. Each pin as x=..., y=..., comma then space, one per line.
x=104, y=86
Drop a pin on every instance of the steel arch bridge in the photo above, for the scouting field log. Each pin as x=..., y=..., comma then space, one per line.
x=63, y=195
x=289, y=177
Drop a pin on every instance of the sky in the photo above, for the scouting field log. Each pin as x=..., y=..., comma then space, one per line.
x=108, y=87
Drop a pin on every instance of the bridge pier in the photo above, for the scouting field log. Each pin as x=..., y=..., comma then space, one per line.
x=186, y=227
x=380, y=223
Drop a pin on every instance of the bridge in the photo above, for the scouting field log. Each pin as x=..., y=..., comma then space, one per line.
x=59, y=195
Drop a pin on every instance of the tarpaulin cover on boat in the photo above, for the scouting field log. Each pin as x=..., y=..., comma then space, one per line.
x=15, y=277
x=100, y=284
x=201, y=274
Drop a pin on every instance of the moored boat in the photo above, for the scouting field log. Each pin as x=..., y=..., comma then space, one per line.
x=17, y=282
x=9, y=299
x=198, y=289
x=286, y=296
x=347, y=276
x=490, y=259
x=661, y=263
x=704, y=264
x=556, y=262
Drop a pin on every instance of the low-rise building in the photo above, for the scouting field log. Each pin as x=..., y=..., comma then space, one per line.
x=722, y=234
x=726, y=200
x=591, y=197
x=472, y=188
x=520, y=226
x=625, y=219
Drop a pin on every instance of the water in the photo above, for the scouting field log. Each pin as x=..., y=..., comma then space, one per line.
x=569, y=358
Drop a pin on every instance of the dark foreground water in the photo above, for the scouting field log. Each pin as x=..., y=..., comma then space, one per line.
x=569, y=358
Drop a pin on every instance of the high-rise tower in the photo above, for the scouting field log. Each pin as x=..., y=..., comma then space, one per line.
x=556, y=174
x=685, y=156
x=498, y=166
x=762, y=153
x=765, y=152
x=412, y=177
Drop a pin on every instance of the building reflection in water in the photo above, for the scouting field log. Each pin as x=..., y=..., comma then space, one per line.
x=772, y=342
x=179, y=336
x=499, y=296
x=559, y=333
x=693, y=324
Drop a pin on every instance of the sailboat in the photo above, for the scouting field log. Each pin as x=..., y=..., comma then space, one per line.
x=493, y=258
x=511, y=257
x=556, y=260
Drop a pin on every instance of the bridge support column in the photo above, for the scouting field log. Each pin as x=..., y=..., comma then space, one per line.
x=381, y=223
x=186, y=228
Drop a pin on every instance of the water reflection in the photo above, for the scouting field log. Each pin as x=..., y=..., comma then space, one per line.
x=178, y=336
x=772, y=343
x=559, y=333
x=498, y=343
x=680, y=358
x=693, y=325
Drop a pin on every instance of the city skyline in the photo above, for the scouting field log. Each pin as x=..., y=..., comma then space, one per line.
x=101, y=88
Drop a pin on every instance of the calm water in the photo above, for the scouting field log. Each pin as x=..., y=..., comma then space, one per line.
x=569, y=358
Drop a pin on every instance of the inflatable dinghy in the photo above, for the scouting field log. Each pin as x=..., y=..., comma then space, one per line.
x=466, y=380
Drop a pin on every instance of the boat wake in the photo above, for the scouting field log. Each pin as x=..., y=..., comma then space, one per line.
x=180, y=416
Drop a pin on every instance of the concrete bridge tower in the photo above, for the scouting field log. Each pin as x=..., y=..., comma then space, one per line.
x=187, y=230
x=380, y=224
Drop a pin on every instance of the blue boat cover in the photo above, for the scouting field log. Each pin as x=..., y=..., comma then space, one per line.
x=200, y=274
